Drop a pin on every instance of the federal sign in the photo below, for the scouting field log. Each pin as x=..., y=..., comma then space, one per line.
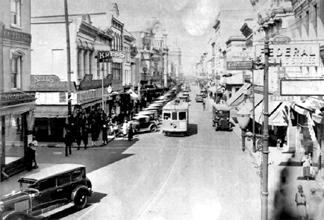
x=239, y=65
x=294, y=55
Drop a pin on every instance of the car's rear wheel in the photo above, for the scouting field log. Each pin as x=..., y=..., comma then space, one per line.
x=80, y=200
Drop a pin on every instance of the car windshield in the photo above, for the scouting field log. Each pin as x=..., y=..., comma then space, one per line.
x=26, y=183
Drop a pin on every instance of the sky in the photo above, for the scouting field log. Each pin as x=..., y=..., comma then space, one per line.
x=188, y=23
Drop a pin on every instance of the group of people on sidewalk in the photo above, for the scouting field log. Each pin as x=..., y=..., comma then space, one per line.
x=82, y=124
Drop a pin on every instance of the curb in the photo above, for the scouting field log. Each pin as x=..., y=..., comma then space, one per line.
x=62, y=145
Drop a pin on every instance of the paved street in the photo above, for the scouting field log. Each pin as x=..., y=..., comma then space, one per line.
x=204, y=175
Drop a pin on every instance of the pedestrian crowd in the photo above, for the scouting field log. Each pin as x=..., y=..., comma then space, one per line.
x=83, y=123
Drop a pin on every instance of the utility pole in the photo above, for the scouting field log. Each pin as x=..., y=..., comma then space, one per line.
x=68, y=55
x=265, y=148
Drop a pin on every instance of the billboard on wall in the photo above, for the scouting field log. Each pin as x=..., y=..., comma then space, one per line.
x=293, y=55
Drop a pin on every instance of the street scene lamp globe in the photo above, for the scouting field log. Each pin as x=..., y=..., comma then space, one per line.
x=243, y=117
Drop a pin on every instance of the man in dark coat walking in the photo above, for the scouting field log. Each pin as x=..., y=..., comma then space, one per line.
x=68, y=139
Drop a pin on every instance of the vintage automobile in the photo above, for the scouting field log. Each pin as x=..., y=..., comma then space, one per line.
x=142, y=123
x=157, y=108
x=153, y=114
x=204, y=93
x=46, y=190
x=199, y=98
x=221, y=117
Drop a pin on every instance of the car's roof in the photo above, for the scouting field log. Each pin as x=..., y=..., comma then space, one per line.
x=52, y=171
x=147, y=112
x=140, y=116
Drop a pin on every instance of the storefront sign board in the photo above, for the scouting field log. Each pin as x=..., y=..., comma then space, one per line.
x=45, y=83
x=294, y=55
x=17, y=36
x=302, y=87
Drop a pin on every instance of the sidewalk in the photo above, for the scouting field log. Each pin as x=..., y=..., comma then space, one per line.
x=11, y=184
x=285, y=173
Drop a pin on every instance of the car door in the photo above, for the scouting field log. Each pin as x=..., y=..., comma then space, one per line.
x=64, y=188
x=44, y=198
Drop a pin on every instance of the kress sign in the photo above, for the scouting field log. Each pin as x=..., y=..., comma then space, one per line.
x=291, y=54
x=102, y=55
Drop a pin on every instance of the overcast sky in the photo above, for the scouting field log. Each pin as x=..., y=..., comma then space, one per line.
x=188, y=22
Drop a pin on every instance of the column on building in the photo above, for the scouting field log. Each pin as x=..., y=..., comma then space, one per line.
x=80, y=62
x=86, y=59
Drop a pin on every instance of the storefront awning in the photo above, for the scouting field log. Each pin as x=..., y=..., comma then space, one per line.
x=238, y=97
x=17, y=109
x=277, y=113
x=51, y=111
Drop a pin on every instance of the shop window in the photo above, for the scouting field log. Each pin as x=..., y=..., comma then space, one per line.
x=182, y=115
x=16, y=12
x=62, y=97
x=16, y=72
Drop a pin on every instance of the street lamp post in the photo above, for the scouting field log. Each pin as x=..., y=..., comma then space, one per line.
x=243, y=120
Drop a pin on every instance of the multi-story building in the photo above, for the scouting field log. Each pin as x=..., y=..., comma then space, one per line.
x=227, y=24
x=16, y=101
x=291, y=26
x=308, y=29
x=88, y=77
x=152, y=57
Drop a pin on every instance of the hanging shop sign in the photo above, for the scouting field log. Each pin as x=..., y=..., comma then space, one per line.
x=239, y=65
x=45, y=83
x=281, y=39
x=103, y=55
x=294, y=55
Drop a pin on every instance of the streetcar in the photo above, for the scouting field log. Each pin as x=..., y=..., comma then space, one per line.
x=175, y=118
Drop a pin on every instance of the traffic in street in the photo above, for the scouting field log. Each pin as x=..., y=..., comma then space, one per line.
x=172, y=177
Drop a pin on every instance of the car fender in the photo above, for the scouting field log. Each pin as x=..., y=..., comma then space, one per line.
x=81, y=188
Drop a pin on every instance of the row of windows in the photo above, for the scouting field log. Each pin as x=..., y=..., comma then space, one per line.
x=175, y=116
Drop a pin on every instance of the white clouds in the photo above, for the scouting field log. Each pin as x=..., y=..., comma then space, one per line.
x=198, y=18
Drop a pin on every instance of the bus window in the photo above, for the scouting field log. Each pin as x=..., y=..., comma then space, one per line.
x=182, y=116
x=174, y=116
x=166, y=115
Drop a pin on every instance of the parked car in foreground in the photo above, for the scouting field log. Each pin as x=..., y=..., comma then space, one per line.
x=46, y=190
